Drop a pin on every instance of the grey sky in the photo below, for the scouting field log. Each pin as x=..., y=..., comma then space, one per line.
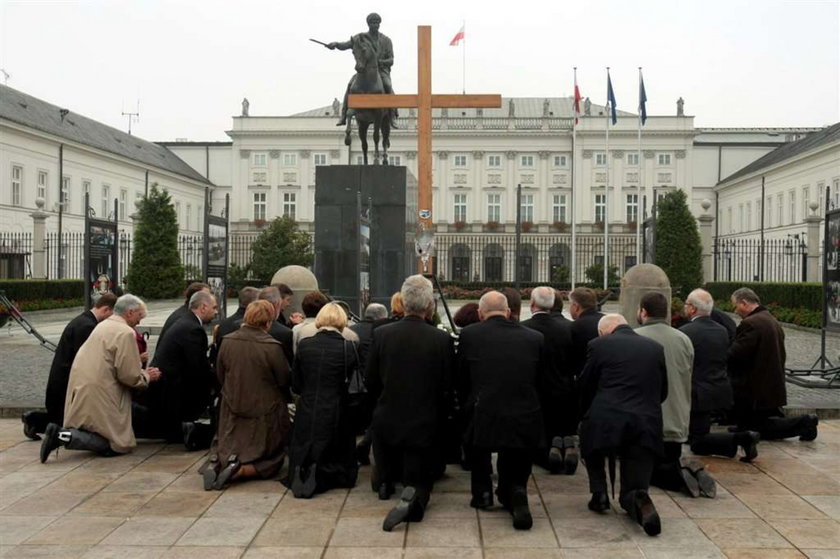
x=735, y=62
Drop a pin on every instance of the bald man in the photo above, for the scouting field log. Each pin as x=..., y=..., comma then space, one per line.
x=500, y=365
x=622, y=386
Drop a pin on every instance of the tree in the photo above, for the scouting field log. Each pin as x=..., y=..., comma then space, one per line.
x=595, y=275
x=155, y=271
x=678, y=248
x=280, y=244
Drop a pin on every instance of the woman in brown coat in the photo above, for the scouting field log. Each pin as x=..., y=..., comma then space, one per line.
x=253, y=417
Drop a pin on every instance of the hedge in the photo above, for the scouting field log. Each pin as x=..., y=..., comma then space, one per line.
x=43, y=290
x=474, y=290
x=789, y=295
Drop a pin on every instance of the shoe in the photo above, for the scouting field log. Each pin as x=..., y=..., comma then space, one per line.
x=483, y=501
x=385, y=491
x=690, y=482
x=50, y=442
x=750, y=445
x=211, y=471
x=342, y=122
x=30, y=430
x=304, y=489
x=809, y=432
x=400, y=512
x=233, y=465
x=555, y=455
x=599, y=502
x=363, y=453
x=522, y=519
x=708, y=487
x=570, y=457
x=646, y=514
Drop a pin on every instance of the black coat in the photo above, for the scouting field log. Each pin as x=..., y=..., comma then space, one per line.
x=364, y=330
x=322, y=434
x=622, y=387
x=283, y=334
x=183, y=392
x=583, y=328
x=176, y=315
x=409, y=371
x=500, y=365
x=559, y=317
x=756, y=362
x=74, y=335
x=557, y=388
x=230, y=324
x=726, y=321
x=710, y=388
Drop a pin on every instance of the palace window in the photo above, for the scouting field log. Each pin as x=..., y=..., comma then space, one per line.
x=664, y=159
x=527, y=208
x=188, y=220
x=460, y=160
x=460, y=207
x=526, y=161
x=320, y=159
x=17, y=184
x=558, y=208
x=260, y=160
x=600, y=207
x=792, y=208
x=601, y=159
x=41, y=191
x=289, y=159
x=123, y=202
x=780, y=201
x=259, y=206
x=178, y=212
x=631, y=209
x=632, y=159
x=65, y=192
x=494, y=161
x=560, y=160
x=494, y=207
x=741, y=218
x=806, y=201
x=290, y=205
x=748, y=214
x=395, y=160
x=106, y=197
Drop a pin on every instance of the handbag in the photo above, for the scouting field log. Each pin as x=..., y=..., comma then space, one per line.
x=358, y=411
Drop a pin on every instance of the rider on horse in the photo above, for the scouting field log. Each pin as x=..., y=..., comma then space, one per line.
x=384, y=56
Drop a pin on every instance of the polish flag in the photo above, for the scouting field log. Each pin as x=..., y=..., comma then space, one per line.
x=459, y=36
x=577, y=103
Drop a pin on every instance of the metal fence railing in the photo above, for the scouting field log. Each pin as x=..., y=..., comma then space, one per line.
x=15, y=255
x=753, y=259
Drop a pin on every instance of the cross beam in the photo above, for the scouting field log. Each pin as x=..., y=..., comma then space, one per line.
x=424, y=101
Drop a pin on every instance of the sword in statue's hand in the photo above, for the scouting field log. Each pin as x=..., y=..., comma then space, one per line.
x=322, y=43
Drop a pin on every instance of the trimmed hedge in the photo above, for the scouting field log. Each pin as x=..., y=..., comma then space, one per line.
x=798, y=316
x=474, y=290
x=789, y=295
x=43, y=290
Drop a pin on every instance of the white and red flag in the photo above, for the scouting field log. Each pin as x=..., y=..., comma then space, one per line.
x=577, y=102
x=459, y=36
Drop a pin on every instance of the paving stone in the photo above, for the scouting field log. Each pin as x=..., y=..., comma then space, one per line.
x=499, y=532
x=178, y=503
x=828, y=504
x=695, y=552
x=364, y=532
x=141, y=481
x=509, y=553
x=76, y=530
x=752, y=553
x=244, y=504
x=185, y=552
x=676, y=533
x=722, y=506
x=738, y=532
x=810, y=534
x=230, y=531
x=363, y=553
x=780, y=506
x=296, y=530
x=283, y=553
x=603, y=553
x=443, y=553
x=15, y=529
x=51, y=551
x=113, y=504
x=124, y=552
x=442, y=532
x=149, y=531
x=45, y=503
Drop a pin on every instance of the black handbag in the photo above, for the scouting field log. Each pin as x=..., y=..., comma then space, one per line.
x=358, y=405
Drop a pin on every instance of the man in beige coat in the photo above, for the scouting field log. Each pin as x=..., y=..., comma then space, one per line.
x=97, y=410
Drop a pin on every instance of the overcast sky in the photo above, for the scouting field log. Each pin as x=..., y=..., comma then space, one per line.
x=190, y=62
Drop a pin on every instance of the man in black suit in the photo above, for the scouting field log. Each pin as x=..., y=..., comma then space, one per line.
x=247, y=295
x=173, y=405
x=500, y=365
x=710, y=388
x=583, y=306
x=184, y=309
x=375, y=314
x=622, y=387
x=279, y=331
x=726, y=321
x=409, y=372
x=558, y=397
x=74, y=335
x=557, y=309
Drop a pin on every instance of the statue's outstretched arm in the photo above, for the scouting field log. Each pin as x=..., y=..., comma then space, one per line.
x=341, y=46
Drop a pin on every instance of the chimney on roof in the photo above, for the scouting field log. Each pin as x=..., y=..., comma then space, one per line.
x=63, y=113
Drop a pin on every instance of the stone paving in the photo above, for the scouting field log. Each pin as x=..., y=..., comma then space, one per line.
x=150, y=504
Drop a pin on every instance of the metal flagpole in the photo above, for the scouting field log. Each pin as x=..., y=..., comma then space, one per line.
x=464, y=58
x=607, y=190
x=641, y=178
x=575, y=109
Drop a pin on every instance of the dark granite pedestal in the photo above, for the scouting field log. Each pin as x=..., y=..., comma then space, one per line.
x=352, y=201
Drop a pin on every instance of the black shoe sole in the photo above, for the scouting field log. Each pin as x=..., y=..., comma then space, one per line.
x=227, y=473
x=522, y=519
x=50, y=442
x=690, y=483
x=400, y=513
x=751, y=449
x=810, y=433
x=647, y=515
x=602, y=506
x=210, y=473
x=708, y=487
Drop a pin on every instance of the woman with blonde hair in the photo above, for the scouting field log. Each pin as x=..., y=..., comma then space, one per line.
x=253, y=417
x=322, y=453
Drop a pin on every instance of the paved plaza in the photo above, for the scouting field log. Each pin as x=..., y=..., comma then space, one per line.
x=151, y=504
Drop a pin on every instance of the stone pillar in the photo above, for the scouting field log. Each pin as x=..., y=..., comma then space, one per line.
x=705, y=226
x=641, y=279
x=812, y=228
x=39, y=234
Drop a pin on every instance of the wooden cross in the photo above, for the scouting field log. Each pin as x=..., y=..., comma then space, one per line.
x=424, y=101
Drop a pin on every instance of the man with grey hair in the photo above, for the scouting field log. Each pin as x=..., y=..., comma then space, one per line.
x=408, y=374
x=278, y=330
x=500, y=368
x=174, y=406
x=710, y=389
x=756, y=362
x=97, y=412
x=558, y=397
x=622, y=387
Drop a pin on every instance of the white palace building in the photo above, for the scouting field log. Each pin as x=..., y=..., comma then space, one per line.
x=479, y=158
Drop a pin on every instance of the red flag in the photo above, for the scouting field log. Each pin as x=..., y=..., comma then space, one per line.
x=577, y=103
x=459, y=36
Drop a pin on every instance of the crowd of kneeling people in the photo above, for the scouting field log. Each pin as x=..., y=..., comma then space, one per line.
x=323, y=393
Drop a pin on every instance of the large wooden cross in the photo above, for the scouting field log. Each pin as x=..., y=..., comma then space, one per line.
x=424, y=101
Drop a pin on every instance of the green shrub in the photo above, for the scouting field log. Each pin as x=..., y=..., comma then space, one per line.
x=678, y=248
x=41, y=290
x=595, y=274
x=280, y=244
x=789, y=295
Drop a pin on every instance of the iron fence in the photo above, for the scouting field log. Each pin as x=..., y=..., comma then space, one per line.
x=739, y=259
x=15, y=255
x=542, y=257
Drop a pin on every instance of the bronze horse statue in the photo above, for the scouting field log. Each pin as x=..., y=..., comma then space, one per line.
x=368, y=80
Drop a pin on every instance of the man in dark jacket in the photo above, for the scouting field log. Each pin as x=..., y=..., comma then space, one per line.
x=558, y=397
x=183, y=394
x=409, y=371
x=74, y=335
x=247, y=295
x=757, y=370
x=184, y=309
x=583, y=306
x=622, y=387
x=557, y=310
x=500, y=365
x=279, y=331
x=375, y=314
x=710, y=388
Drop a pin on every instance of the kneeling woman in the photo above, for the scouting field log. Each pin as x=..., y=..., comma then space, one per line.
x=253, y=417
x=322, y=453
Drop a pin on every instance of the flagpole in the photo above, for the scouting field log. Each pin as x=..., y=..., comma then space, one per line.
x=573, y=267
x=464, y=58
x=641, y=178
x=607, y=191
